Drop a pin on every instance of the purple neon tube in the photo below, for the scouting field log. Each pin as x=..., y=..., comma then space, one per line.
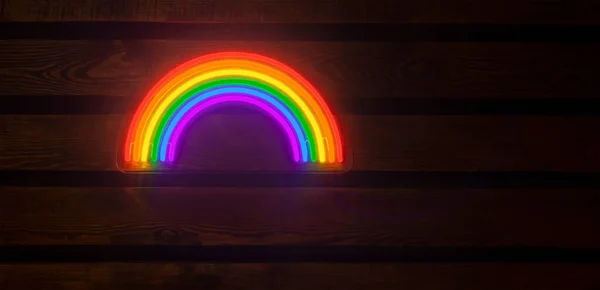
x=233, y=98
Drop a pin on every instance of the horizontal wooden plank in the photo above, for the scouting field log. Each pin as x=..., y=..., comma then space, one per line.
x=339, y=70
x=104, y=104
x=351, y=179
x=251, y=141
x=302, y=216
x=492, y=11
x=119, y=276
x=334, y=32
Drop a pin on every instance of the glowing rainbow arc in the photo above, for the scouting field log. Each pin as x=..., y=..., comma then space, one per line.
x=226, y=77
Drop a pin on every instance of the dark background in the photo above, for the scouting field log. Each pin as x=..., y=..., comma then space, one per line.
x=473, y=127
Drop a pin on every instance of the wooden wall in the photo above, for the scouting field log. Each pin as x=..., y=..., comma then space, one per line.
x=305, y=11
x=457, y=143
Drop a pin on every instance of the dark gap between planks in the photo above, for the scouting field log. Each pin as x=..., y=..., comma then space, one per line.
x=104, y=104
x=294, y=254
x=354, y=179
x=440, y=32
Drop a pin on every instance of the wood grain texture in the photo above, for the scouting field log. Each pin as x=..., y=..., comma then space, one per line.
x=286, y=216
x=338, y=70
x=117, y=276
x=406, y=143
x=489, y=11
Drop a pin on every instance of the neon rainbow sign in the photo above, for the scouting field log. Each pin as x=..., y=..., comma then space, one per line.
x=155, y=132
